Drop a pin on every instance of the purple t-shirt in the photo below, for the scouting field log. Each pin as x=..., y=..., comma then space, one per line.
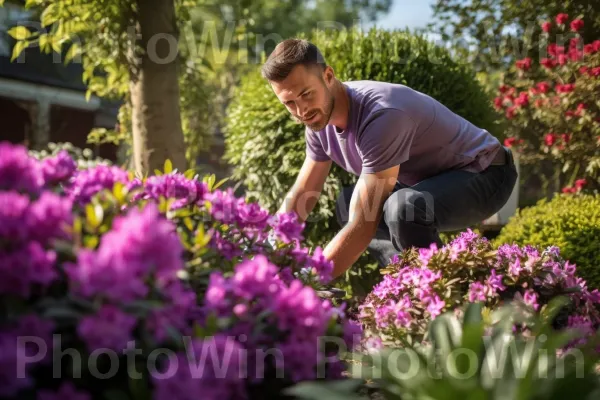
x=392, y=124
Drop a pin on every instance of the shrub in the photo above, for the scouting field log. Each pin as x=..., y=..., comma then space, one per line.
x=571, y=222
x=421, y=284
x=122, y=270
x=475, y=356
x=266, y=146
x=84, y=158
x=553, y=117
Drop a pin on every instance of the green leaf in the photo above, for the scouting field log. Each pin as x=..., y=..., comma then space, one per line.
x=168, y=168
x=158, y=172
x=94, y=215
x=222, y=181
x=19, y=33
x=18, y=49
x=74, y=51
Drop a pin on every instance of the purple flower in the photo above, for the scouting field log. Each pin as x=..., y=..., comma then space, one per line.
x=435, y=307
x=251, y=216
x=110, y=328
x=13, y=217
x=180, y=303
x=11, y=356
x=300, y=358
x=67, y=391
x=287, y=227
x=214, y=367
x=530, y=298
x=395, y=259
x=493, y=284
x=476, y=292
x=229, y=250
x=88, y=182
x=223, y=206
x=175, y=186
x=41, y=332
x=256, y=279
x=515, y=268
x=140, y=245
x=322, y=266
x=25, y=267
x=58, y=169
x=19, y=171
x=426, y=254
x=49, y=217
x=300, y=310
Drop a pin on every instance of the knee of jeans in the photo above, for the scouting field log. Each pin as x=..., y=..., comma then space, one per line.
x=408, y=206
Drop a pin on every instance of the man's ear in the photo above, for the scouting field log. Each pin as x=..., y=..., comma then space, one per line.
x=329, y=75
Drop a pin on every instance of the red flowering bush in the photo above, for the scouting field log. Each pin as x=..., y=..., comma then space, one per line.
x=551, y=105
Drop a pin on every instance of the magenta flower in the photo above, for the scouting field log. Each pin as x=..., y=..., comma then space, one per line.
x=50, y=217
x=58, y=169
x=435, y=307
x=214, y=367
x=476, y=292
x=322, y=266
x=11, y=356
x=110, y=328
x=14, y=208
x=19, y=171
x=530, y=298
x=287, y=227
x=88, y=182
x=67, y=391
x=26, y=268
x=426, y=254
x=223, y=206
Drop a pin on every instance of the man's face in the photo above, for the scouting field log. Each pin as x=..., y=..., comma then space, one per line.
x=307, y=96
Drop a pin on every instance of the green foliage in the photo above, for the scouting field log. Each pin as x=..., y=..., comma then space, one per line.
x=266, y=146
x=502, y=31
x=571, y=222
x=478, y=358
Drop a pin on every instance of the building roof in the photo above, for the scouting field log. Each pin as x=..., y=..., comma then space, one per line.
x=47, y=69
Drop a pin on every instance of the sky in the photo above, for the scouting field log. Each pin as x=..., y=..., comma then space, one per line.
x=407, y=13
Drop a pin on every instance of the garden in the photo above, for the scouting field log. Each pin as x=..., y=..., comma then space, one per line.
x=166, y=283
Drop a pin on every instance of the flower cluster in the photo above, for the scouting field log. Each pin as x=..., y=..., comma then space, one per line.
x=550, y=106
x=423, y=283
x=106, y=260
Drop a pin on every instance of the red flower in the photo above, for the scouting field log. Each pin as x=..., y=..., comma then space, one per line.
x=566, y=137
x=524, y=64
x=510, y=112
x=509, y=142
x=561, y=19
x=596, y=45
x=589, y=49
x=580, y=183
x=550, y=139
x=568, y=190
x=577, y=25
x=554, y=49
x=548, y=63
x=583, y=70
x=580, y=108
x=503, y=89
x=556, y=100
x=522, y=100
x=575, y=55
x=595, y=72
x=569, y=114
x=543, y=87
x=568, y=88
x=498, y=103
x=539, y=103
x=546, y=26
x=562, y=59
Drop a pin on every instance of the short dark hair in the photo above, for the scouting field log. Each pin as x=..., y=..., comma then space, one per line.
x=287, y=55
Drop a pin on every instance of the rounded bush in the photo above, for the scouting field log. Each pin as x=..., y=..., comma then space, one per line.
x=571, y=222
x=266, y=146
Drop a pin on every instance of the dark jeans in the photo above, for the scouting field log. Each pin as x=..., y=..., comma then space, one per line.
x=453, y=200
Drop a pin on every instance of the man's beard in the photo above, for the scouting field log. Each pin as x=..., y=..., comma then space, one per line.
x=328, y=110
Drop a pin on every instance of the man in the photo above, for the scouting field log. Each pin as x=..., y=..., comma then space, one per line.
x=422, y=169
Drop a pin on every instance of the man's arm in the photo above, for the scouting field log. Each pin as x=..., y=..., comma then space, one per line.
x=305, y=192
x=366, y=209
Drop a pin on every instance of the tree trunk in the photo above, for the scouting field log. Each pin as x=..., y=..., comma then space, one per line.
x=154, y=89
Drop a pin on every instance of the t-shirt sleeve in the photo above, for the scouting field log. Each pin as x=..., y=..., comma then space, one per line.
x=314, y=149
x=386, y=140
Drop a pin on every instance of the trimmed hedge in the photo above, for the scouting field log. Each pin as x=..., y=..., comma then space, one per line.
x=265, y=146
x=571, y=222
